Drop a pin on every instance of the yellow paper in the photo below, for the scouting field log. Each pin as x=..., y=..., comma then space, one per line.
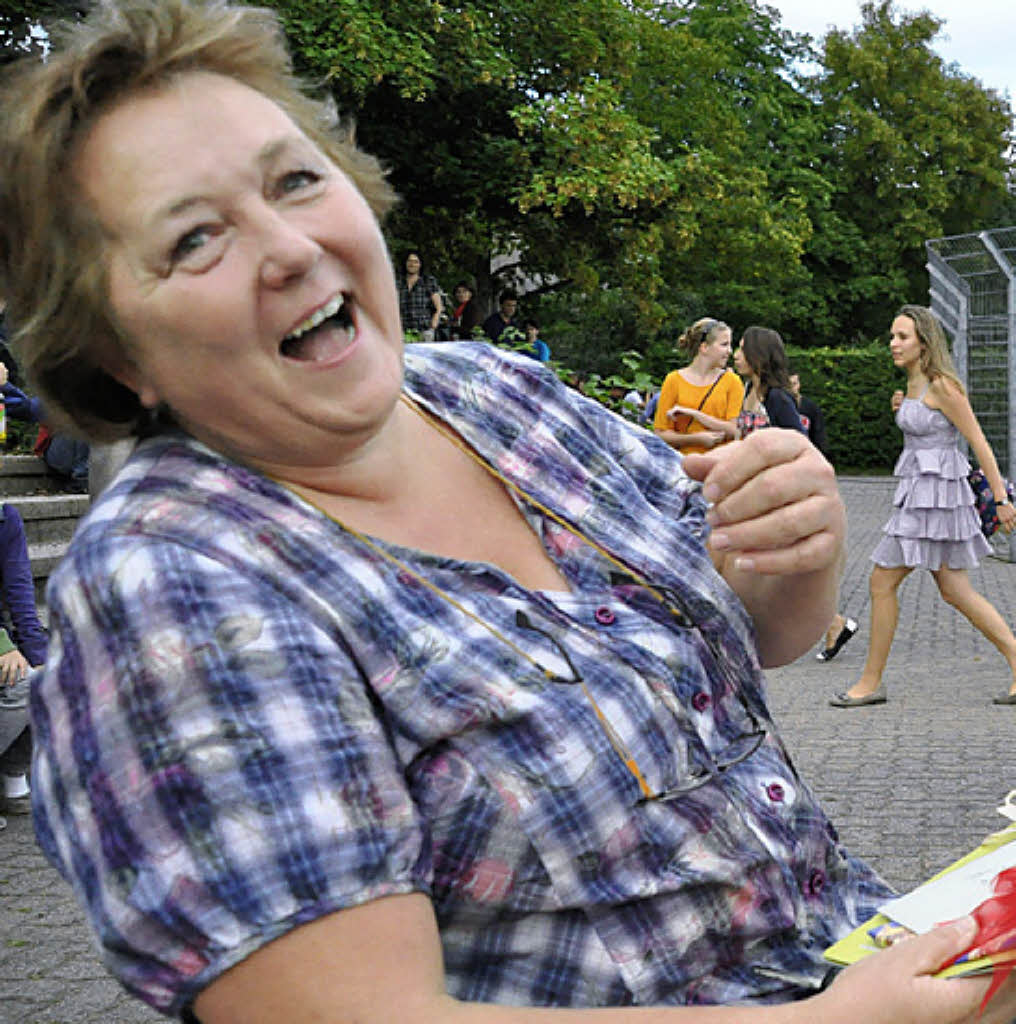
x=858, y=943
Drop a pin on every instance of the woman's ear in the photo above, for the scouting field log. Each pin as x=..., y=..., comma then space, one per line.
x=125, y=371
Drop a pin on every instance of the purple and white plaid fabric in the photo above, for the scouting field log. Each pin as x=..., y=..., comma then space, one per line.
x=248, y=720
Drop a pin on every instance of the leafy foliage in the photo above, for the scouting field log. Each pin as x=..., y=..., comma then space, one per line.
x=637, y=164
x=918, y=150
x=590, y=140
x=21, y=19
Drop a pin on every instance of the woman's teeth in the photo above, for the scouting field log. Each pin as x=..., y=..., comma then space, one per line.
x=324, y=335
x=319, y=317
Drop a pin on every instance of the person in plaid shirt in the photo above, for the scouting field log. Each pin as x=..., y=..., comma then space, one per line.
x=431, y=691
x=420, y=303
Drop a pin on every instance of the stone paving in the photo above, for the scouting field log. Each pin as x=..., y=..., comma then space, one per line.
x=911, y=784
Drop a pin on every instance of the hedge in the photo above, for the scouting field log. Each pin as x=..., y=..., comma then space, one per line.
x=852, y=387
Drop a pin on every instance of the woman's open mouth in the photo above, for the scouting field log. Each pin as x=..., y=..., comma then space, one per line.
x=325, y=334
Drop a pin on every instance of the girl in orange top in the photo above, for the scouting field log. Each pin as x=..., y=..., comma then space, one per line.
x=699, y=404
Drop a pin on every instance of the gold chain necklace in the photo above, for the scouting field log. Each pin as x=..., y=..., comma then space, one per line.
x=537, y=504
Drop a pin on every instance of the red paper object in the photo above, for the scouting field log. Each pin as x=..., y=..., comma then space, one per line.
x=996, y=933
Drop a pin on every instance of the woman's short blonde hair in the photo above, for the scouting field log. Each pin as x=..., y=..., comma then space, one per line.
x=52, y=252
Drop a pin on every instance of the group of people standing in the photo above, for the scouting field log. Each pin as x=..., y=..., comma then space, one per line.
x=934, y=524
x=422, y=312
x=705, y=404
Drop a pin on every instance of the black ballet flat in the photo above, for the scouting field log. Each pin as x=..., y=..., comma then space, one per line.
x=848, y=630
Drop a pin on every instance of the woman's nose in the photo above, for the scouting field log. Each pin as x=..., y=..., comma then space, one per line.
x=288, y=251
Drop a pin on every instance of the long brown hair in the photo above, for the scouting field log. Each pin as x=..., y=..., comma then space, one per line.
x=765, y=354
x=935, y=359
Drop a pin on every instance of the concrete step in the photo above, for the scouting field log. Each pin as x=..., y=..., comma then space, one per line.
x=51, y=515
x=50, y=518
x=44, y=559
x=27, y=474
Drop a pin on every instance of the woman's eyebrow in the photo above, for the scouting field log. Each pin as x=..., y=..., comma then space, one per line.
x=272, y=150
x=268, y=153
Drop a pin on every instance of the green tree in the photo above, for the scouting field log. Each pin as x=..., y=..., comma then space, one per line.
x=764, y=131
x=642, y=163
x=918, y=151
x=21, y=19
x=589, y=139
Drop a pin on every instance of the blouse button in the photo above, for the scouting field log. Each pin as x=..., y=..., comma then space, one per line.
x=700, y=701
x=816, y=882
x=604, y=616
x=775, y=792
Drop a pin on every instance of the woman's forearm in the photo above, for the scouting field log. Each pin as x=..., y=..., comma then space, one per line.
x=989, y=466
x=790, y=612
x=356, y=964
x=726, y=427
x=678, y=440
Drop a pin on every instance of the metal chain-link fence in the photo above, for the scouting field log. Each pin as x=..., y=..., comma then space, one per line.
x=973, y=293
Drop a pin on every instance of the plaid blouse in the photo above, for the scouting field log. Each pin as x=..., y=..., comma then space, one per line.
x=248, y=720
x=415, y=305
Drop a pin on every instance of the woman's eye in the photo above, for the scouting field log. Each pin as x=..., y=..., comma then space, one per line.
x=293, y=181
x=189, y=243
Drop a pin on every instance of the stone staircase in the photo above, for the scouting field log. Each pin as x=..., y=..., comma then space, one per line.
x=50, y=513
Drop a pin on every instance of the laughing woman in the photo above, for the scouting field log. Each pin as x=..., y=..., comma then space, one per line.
x=383, y=685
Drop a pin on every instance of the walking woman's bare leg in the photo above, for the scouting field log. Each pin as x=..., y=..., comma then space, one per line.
x=885, y=611
x=834, y=629
x=956, y=589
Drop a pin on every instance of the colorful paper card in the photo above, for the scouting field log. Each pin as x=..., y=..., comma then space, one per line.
x=859, y=943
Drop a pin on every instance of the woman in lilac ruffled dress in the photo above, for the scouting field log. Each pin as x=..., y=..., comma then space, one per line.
x=934, y=524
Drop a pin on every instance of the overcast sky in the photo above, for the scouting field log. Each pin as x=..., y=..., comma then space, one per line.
x=978, y=35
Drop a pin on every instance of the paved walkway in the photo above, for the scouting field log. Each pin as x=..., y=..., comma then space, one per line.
x=911, y=785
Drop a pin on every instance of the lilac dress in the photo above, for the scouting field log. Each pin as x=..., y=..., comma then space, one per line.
x=934, y=523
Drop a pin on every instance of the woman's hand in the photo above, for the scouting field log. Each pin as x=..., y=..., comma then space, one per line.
x=679, y=410
x=896, y=401
x=775, y=505
x=709, y=438
x=896, y=986
x=702, y=439
x=1006, y=517
x=13, y=667
x=778, y=530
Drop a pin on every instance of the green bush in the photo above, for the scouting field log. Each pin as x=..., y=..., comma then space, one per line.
x=852, y=387
x=20, y=437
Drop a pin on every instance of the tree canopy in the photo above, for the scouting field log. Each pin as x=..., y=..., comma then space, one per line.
x=20, y=21
x=638, y=164
x=690, y=156
x=918, y=151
